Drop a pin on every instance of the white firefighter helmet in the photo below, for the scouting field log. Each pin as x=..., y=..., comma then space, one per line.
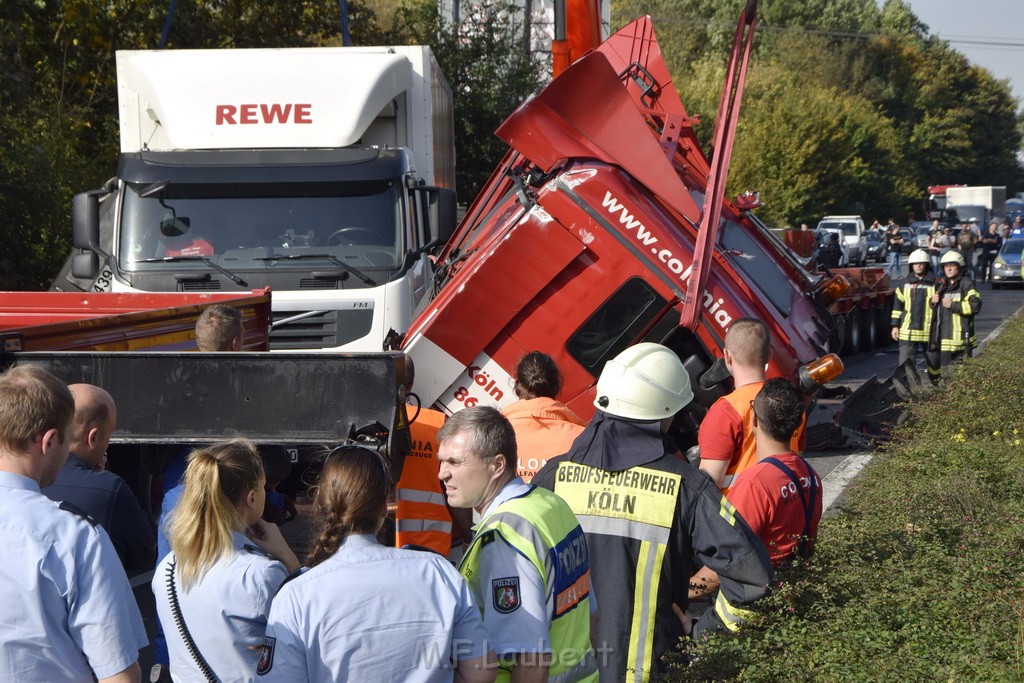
x=918, y=256
x=645, y=382
x=952, y=257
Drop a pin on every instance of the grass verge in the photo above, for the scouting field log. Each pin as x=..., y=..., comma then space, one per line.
x=920, y=574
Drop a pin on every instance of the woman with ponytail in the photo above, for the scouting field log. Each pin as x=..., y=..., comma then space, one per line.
x=213, y=591
x=366, y=612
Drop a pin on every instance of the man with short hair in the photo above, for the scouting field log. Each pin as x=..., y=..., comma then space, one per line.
x=991, y=242
x=102, y=495
x=527, y=564
x=726, y=436
x=220, y=328
x=67, y=611
x=648, y=515
x=780, y=495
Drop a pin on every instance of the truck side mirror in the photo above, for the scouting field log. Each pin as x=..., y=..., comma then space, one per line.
x=85, y=220
x=446, y=215
x=442, y=211
x=85, y=266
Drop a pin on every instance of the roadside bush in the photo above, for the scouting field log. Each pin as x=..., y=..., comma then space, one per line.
x=919, y=575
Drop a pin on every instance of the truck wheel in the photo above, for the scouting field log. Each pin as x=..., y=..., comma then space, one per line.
x=882, y=326
x=852, y=332
x=869, y=330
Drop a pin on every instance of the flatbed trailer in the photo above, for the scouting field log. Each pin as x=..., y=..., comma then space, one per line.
x=169, y=395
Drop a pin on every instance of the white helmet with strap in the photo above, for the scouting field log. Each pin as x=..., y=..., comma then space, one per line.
x=645, y=382
x=919, y=256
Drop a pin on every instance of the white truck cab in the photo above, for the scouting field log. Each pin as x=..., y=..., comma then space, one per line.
x=326, y=174
x=852, y=233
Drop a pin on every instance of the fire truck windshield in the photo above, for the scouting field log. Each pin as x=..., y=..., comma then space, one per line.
x=245, y=227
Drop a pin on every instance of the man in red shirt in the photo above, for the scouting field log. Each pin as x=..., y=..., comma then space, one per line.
x=726, y=437
x=779, y=496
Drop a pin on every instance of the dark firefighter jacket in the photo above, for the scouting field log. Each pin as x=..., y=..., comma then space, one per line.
x=912, y=310
x=954, y=326
x=647, y=514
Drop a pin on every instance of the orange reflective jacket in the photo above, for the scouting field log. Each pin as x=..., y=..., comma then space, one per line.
x=421, y=516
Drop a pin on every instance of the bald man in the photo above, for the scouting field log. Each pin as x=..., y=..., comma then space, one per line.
x=101, y=495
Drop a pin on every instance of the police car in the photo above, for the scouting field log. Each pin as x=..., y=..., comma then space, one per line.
x=1006, y=268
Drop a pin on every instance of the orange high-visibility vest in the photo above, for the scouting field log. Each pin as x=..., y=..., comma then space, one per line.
x=746, y=455
x=421, y=515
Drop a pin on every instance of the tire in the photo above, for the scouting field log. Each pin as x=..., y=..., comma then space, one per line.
x=868, y=329
x=852, y=344
x=883, y=317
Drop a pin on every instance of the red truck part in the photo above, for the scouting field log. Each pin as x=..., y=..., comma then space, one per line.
x=582, y=243
x=106, y=321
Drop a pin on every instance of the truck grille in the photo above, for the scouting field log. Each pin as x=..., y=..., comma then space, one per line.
x=319, y=329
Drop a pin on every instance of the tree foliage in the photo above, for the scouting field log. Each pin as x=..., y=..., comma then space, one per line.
x=849, y=104
x=849, y=107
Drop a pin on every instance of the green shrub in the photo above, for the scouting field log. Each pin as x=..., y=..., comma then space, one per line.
x=919, y=575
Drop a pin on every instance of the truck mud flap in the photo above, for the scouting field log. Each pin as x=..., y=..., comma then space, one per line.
x=277, y=398
x=877, y=406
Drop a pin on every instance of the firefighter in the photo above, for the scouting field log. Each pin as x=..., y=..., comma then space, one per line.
x=528, y=564
x=956, y=301
x=647, y=515
x=912, y=314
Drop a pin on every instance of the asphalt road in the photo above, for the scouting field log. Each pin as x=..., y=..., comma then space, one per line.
x=838, y=466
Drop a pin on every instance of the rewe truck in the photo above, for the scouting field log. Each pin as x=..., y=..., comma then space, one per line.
x=605, y=226
x=324, y=173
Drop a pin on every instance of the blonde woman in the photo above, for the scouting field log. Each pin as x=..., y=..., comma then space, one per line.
x=366, y=612
x=213, y=591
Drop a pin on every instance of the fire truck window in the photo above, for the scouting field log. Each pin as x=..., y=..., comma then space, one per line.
x=762, y=271
x=615, y=325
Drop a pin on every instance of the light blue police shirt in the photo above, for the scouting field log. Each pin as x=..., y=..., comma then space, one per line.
x=225, y=612
x=373, y=613
x=66, y=608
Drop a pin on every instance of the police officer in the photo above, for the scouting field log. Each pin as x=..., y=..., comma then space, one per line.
x=912, y=313
x=956, y=302
x=647, y=514
x=528, y=564
x=366, y=612
x=213, y=590
x=68, y=613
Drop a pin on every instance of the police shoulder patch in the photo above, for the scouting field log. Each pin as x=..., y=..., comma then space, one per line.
x=266, y=656
x=506, y=594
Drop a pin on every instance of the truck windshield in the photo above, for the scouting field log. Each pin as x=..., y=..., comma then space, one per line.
x=747, y=255
x=848, y=229
x=244, y=227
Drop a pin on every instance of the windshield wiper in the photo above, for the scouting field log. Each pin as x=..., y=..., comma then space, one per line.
x=175, y=259
x=333, y=259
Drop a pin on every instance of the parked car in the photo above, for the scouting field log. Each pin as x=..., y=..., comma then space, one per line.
x=1006, y=269
x=851, y=230
x=921, y=233
x=908, y=240
x=877, y=247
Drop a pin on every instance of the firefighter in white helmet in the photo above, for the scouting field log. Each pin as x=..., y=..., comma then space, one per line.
x=912, y=314
x=647, y=515
x=956, y=301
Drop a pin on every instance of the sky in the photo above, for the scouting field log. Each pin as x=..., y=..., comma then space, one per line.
x=989, y=32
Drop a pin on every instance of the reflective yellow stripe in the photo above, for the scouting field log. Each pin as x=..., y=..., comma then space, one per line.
x=645, y=604
x=732, y=616
x=727, y=511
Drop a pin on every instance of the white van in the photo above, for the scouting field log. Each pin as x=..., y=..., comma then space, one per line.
x=854, y=235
